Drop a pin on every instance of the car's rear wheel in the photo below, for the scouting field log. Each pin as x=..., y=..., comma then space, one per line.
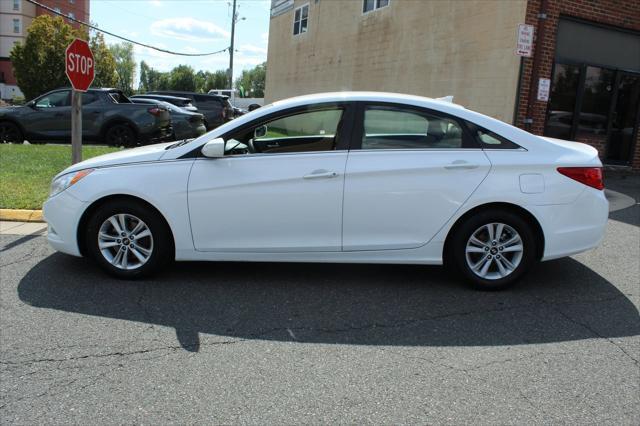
x=120, y=135
x=10, y=133
x=128, y=240
x=493, y=249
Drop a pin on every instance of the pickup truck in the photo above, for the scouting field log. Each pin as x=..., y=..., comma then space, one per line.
x=108, y=116
x=243, y=103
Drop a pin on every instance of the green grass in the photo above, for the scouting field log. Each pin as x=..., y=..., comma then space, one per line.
x=26, y=171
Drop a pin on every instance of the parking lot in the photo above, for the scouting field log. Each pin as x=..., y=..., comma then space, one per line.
x=317, y=343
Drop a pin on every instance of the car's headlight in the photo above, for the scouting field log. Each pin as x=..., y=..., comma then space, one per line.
x=63, y=182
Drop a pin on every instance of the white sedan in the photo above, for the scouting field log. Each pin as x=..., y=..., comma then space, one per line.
x=338, y=177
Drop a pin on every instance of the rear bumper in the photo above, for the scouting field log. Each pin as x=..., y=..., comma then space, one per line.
x=575, y=227
x=62, y=213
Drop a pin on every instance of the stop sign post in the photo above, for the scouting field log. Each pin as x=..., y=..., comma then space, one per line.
x=80, y=69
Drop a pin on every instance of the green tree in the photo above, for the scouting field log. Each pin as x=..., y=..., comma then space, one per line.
x=105, y=70
x=183, y=77
x=251, y=82
x=143, y=85
x=38, y=62
x=125, y=66
x=217, y=80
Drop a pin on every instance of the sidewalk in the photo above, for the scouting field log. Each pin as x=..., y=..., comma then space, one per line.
x=22, y=228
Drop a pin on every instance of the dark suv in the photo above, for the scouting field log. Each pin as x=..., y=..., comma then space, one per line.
x=216, y=109
x=108, y=116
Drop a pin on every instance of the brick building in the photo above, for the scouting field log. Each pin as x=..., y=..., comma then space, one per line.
x=15, y=18
x=588, y=50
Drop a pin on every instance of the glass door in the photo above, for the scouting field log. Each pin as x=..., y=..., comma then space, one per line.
x=624, y=119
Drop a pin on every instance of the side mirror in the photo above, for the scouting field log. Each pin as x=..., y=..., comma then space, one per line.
x=31, y=104
x=260, y=132
x=214, y=148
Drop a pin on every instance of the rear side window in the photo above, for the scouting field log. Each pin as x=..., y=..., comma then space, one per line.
x=490, y=140
x=398, y=128
x=89, y=98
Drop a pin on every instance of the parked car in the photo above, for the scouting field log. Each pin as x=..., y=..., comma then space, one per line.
x=184, y=103
x=216, y=109
x=185, y=124
x=108, y=116
x=248, y=104
x=340, y=177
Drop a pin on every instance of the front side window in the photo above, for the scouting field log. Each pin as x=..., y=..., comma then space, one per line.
x=370, y=5
x=395, y=128
x=302, y=132
x=54, y=100
x=301, y=20
x=16, y=26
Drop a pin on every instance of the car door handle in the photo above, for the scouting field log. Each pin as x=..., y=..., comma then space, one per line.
x=461, y=165
x=320, y=174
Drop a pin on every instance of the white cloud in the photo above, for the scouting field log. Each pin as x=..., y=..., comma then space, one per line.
x=249, y=49
x=188, y=29
x=156, y=3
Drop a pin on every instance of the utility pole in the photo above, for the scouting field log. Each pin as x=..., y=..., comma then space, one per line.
x=231, y=49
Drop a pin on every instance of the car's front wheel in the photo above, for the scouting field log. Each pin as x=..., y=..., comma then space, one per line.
x=128, y=240
x=493, y=249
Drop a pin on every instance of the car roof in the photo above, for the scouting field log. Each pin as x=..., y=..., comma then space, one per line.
x=182, y=92
x=351, y=96
x=167, y=97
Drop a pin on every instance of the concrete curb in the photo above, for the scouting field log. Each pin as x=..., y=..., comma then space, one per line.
x=15, y=215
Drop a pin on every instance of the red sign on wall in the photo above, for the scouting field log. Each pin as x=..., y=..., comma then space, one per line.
x=79, y=65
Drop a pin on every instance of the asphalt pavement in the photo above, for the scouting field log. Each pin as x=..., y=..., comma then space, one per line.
x=260, y=343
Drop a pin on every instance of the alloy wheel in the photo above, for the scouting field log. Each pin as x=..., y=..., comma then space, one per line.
x=125, y=241
x=494, y=251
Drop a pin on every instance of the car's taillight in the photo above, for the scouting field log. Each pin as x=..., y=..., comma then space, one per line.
x=155, y=111
x=590, y=176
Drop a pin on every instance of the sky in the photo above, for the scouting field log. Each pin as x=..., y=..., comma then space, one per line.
x=190, y=26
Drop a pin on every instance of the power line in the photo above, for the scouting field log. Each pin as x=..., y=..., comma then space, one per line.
x=93, y=27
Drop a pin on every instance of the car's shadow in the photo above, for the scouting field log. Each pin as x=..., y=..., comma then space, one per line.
x=341, y=304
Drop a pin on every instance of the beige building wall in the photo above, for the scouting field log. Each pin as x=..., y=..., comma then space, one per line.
x=25, y=14
x=463, y=48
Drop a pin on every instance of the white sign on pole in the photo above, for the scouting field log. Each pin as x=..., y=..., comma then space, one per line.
x=524, y=46
x=544, y=84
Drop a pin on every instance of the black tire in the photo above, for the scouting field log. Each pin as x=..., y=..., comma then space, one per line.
x=162, y=248
x=494, y=278
x=120, y=135
x=10, y=133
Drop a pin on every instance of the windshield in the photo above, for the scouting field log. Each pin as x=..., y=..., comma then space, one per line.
x=218, y=131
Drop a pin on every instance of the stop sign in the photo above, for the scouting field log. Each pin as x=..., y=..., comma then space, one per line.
x=79, y=65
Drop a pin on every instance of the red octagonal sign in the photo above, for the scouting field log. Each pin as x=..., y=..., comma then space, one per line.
x=79, y=65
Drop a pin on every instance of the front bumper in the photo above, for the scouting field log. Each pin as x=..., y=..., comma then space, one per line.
x=62, y=213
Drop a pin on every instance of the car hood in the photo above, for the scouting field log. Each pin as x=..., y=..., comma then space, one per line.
x=126, y=156
x=10, y=109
